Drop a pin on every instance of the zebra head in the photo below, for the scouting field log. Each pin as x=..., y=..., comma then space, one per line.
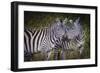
x=59, y=28
x=74, y=33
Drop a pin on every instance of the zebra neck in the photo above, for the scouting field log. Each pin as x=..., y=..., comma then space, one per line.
x=52, y=35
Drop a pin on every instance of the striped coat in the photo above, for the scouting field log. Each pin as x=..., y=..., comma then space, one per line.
x=43, y=40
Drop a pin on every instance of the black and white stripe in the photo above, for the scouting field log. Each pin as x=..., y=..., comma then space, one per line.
x=54, y=37
x=73, y=39
x=43, y=40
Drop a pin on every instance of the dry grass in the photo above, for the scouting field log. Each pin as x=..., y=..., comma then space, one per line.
x=68, y=55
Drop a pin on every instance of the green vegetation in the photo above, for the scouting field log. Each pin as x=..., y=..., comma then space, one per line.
x=44, y=19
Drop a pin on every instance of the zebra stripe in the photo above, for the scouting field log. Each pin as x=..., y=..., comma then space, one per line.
x=73, y=39
x=45, y=39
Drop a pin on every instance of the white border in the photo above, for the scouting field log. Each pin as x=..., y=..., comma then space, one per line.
x=22, y=64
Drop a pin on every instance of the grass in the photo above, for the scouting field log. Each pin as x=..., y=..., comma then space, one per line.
x=68, y=56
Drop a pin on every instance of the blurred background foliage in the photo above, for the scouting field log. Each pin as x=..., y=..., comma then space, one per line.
x=44, y=19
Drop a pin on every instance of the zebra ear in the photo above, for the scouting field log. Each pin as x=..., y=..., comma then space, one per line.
x=77, y=22
x=71, y=21
x=65, y=21
x=57, y=20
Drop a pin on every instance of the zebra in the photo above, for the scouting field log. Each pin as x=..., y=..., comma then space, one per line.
x=43, y=40
x=73, y=38
x=75, y=34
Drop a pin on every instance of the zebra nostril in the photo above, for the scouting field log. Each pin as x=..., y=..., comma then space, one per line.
x=80, y=46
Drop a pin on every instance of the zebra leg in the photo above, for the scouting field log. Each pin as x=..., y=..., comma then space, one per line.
x=63, y=55
x=81, y=50
x=28, y=57
x=45, y=54
x=55, y=54
x=48, y=55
